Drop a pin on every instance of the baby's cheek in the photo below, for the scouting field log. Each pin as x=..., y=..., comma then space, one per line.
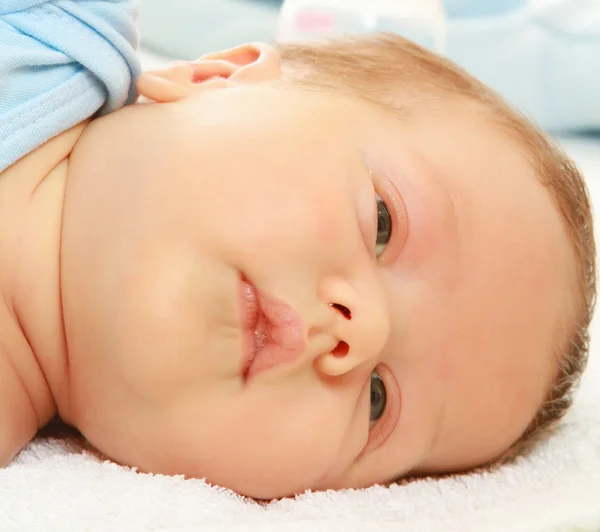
x=329, y=227
x=265, y=446
x=337, y=232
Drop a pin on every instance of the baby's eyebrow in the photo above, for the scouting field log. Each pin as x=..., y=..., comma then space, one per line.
x=440, y=423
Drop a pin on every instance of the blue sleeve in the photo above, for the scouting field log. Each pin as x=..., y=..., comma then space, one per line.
x=543, y=56
x=62, y=62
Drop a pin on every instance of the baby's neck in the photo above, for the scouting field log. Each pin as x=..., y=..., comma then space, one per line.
x=31, y=317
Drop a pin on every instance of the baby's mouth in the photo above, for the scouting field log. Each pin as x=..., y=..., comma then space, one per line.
x=272, y=331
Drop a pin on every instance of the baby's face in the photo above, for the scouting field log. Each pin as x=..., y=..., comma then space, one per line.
x=243, y=221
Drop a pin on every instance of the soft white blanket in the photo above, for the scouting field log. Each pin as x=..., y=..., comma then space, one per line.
x=556, y=488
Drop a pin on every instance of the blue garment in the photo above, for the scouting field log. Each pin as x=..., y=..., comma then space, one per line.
x=61, y=62
x=542, y=55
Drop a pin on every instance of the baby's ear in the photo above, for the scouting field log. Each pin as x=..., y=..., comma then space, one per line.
x=248, y=63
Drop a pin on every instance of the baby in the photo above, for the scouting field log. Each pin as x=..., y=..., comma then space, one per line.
x=300, y=267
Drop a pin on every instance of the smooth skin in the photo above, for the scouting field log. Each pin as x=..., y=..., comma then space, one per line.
x=122, y=245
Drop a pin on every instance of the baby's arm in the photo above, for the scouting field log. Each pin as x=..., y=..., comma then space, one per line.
x=61, y=62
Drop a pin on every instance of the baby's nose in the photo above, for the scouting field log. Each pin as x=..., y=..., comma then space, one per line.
x=358, y=324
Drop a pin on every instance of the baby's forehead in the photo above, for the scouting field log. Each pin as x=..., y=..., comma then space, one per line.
x=511, y=227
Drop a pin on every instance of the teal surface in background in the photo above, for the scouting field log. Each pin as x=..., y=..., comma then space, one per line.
x=187, y=29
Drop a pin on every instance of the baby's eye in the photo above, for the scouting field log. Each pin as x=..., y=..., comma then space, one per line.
x=384, y=226
x=378, y=398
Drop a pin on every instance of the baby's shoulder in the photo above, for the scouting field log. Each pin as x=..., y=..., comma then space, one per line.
x=35, y=166
x=61, y=63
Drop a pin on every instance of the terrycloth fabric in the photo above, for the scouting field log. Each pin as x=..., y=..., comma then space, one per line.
x=60, y=62
x=556, y=488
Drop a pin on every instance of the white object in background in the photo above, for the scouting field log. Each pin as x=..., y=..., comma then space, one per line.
x=422, y=21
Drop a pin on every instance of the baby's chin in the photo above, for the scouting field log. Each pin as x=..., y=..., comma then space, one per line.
x=255, y=476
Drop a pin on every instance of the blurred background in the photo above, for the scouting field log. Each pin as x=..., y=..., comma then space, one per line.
x=187, y=29
x=542, y=55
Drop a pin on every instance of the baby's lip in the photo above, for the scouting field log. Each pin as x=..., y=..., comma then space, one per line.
x=272, y=331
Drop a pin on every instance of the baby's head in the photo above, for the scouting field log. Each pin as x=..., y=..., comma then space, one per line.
x=412, y=261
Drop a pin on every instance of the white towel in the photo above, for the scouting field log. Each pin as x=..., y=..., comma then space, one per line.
x=556, y=488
